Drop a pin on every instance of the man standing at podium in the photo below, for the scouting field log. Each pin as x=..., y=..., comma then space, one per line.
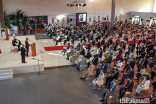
x=27, y=46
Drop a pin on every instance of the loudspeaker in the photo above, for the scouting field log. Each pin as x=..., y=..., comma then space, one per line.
x=70, y=19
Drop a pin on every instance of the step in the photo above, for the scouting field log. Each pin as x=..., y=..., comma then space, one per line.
x=5, y=77
x=6, y=74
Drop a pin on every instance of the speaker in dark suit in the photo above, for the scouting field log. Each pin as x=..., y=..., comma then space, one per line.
x=27, y=46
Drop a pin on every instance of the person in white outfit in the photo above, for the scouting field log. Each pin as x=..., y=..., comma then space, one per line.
x=99, y=80
x=143, y=86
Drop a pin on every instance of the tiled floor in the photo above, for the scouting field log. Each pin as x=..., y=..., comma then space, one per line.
x=55, y=86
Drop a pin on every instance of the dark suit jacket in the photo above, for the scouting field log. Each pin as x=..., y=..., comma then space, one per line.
x=23, y=51
x=130, y=87
x=131, y=74
x=82, y=52
x=93, y=42
x=132, y=63
x=89, y=46
x=109, y=59
x=115, y=76
x=27, y=44
x=143, y=54
x=100, y=53
x=107, y=44
x=88, y=55
x=98, y=45
x=145, y=63
x=103, y=42
x=95, y=60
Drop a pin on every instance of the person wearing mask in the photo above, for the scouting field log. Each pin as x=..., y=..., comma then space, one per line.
x=129, y=88
x=129, y=74
x=109, y=92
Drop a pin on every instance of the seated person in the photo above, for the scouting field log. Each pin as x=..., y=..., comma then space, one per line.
x=89, y=46
x=129, y=74
x=70, y=53
x=118, y=57
x=128, y=88
x=152, y=99
x=103, y=41
x=82, y=62
x=109, y=92
x=143, y=63
x=77, y=47
x=119, y=64
x=143, y=86
x=100, y=53
x=153, y=72
x=67, y=49
x=141, y=56
x=68, y=39
x=93, y=42
x=112, y=76
x=109, y=60
x=153, y=63
x=141, y=72
x=87, y=70
x=16, y=42
x=130, y=49
x=99, y=80
x=151, y=53
x=82, y=51
x=57, y=39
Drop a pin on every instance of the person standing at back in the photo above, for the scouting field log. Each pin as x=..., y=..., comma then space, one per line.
x=27, y=46
x=23, y=54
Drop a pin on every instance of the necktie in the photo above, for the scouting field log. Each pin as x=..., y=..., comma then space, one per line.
x=129, y=72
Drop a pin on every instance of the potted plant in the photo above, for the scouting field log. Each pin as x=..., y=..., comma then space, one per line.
x=16, y=18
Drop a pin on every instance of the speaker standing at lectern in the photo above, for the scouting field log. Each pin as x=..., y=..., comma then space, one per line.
x=27, y=46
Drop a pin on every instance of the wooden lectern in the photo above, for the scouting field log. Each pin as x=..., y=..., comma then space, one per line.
x=33, y=49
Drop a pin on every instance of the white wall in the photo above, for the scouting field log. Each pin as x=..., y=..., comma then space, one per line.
x=58, y=7
x=144, y=15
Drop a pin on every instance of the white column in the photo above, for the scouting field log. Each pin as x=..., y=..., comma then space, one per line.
x=154, y=6
x=0, y=31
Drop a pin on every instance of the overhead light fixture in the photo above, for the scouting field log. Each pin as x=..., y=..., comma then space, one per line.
x=76, y=5
x=67, y=4
x=79, y=5
x=84, y=4
x=71, y=5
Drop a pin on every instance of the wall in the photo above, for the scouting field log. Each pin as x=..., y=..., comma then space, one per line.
x=144, y=15
x=58, y=7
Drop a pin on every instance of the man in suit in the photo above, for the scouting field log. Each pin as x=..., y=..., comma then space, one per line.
x=152, y=99
x=129, y=74
x=109, y=92
x=129, y=50
x=23, y=54
x=27, y=46
x=127, y=66
x=109, y=60
x=144, y=62
x=113, y=76
x=104, y=67
x=141, y=56
x=103, y=41
x=89, y=46
x=93, y=42
x=88, y=54
x=100, y=53
x=128, y=88
x=95, y=60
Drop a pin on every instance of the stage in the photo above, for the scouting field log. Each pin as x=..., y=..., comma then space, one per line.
x=11, y=60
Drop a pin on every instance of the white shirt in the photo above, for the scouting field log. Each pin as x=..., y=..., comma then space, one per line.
x=58, y=37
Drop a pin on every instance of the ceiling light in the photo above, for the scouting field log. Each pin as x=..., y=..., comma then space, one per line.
x=67, y=4
x=79, y=5
x=76, y=5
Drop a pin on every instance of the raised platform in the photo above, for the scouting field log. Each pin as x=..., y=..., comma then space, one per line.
x=11, y=60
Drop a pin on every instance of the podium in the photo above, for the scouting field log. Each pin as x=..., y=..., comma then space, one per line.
x=33, y=49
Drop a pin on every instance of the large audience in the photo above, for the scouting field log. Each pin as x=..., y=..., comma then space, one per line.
x=114, y=55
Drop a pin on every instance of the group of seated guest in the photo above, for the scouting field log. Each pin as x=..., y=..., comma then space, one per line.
x=123, y=62
x=16, y=42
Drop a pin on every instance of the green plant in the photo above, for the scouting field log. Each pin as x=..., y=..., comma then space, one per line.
x=7, y=21
x=16, y=17
x=32, y=22
x=2, y=29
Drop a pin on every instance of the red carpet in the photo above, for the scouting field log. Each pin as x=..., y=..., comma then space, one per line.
x=0, y=51
x=55, y=48
x=28, y=31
